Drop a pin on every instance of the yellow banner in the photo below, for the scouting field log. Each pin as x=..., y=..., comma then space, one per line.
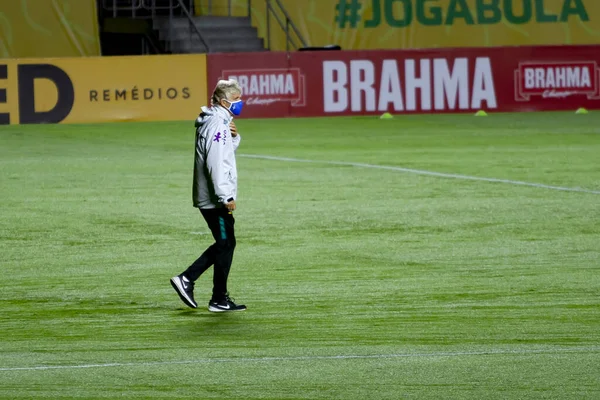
x=393, y=24
x=48, y=28
x=224, y=8
x=102, y=89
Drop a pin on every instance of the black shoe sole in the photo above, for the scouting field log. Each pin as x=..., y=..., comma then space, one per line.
x=214, y=309
x=182, y=297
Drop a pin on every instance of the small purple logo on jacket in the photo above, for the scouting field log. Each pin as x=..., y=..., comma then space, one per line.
x=218, y=137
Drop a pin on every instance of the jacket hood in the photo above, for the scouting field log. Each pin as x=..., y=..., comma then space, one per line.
x=208, y=112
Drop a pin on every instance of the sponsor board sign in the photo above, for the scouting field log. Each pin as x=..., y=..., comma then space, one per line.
x=101, y=89
x=322, y=83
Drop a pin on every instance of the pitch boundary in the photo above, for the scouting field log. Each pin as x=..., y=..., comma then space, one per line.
x=424, y=172
x=443, y=354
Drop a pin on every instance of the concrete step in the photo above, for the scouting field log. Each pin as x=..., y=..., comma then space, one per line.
x=256, y=43
x=218, y=41
x=226, y=50
x=233, y=34
x=218, y=47
x=202, y=22
x=222, y=34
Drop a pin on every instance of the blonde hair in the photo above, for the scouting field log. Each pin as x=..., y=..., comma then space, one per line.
x=224, y=90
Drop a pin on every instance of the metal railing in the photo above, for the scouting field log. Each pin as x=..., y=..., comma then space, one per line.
x=275, y=10
x=152, y=8
x=192, y=24
x=186, y=8
x=144, y=8
x=285, y=23
x=114, y=6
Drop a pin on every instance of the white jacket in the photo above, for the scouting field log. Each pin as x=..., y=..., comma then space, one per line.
x=215, y=172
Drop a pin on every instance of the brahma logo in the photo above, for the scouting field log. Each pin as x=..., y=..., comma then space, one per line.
x=557, y=80
x=426, y=84
x=267, y=86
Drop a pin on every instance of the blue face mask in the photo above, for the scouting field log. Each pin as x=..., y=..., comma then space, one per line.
x=236, y=107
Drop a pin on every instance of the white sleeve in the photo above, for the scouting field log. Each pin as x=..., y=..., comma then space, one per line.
x=236, y=142
x=215, y=163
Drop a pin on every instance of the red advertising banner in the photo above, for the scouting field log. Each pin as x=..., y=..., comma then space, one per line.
x=328, y=83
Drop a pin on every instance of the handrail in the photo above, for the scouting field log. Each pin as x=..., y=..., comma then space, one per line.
x=191, y=20
x=154, y=7
x=135, y=5
x=291, y=23
x=274, y=8
x=150, y=42
x=285, y=27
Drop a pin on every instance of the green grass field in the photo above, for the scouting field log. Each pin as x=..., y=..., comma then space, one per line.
x=361, y=281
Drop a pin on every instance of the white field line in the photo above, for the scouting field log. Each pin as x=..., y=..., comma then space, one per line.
x=423, y=172
x=314, y=358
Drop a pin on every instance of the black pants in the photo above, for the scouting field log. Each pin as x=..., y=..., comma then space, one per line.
x=220, y=254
